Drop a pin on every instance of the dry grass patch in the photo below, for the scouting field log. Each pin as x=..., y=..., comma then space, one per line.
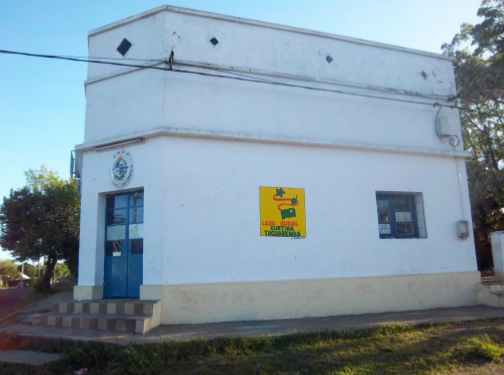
x=456, y=348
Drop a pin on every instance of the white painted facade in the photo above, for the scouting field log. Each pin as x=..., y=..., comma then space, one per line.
x=208, y=143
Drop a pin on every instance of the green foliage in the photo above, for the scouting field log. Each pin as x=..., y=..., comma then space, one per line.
x=42, y=220
x=479, y=68
x=482, y=348
x=61, y=271
x=136, y=360
x=81, y=355
x=8, y=268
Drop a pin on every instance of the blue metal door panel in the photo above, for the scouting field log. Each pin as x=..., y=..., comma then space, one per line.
x=123, y=271
x=135, y=275
x=115, y=275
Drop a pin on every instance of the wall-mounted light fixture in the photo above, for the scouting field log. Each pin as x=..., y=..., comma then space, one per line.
x=108, y=146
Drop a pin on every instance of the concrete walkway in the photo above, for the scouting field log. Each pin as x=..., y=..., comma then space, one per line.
x=28, y=357
x=189, y=332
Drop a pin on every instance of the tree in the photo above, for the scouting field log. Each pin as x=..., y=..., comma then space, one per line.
x=42, y=220
x=479, y=68
x=61, y=271
x=8, y=268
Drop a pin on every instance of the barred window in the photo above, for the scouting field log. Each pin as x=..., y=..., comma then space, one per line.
x=400, y=215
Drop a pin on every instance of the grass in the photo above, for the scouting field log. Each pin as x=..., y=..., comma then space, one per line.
x=483, y=348
x=455, y=348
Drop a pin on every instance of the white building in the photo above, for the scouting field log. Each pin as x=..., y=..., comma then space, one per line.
x=175, y=154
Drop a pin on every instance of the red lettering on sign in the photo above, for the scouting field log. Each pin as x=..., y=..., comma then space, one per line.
x=289, y=223
x=264, y=222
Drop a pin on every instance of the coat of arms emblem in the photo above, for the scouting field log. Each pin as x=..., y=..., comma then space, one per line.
x=122, y=168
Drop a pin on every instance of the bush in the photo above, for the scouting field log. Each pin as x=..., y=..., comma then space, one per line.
x=37, y=286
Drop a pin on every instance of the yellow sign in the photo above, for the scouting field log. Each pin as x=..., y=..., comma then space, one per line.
x=282, y=212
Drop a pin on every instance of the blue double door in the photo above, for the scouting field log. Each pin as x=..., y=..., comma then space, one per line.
x=124, y=245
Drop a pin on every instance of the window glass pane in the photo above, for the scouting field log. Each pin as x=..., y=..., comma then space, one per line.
x=117, y=201
x=384, y=228
x=136, y=199
x=383, y=217
x=110, y=201
x=405, y=228
x=116, y=232
x=136, y=230
x=137, y=246
x=121, y=201
x=113, y=249
x=402, y=205
x=382, y=203
x=402, y=216
x=116, y=216
x=136, y=215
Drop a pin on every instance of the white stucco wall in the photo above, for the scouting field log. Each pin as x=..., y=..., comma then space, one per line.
x=145, y=99
x=342, y=231
x=202, y=212
x=150, y=175
x=149, y=99
x=269, y=48
x=210, y=143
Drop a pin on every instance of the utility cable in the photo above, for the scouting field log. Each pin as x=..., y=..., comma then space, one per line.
x=94, y=61
x=238, y=77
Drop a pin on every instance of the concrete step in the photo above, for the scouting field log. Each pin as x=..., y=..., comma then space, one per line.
x=496, y=287
x=133, y=316
x=105, y=307
x=105, y=322
x=490, y=294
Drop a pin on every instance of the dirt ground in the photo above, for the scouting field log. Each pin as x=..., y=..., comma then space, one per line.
x=12, y=300
x=17, y=303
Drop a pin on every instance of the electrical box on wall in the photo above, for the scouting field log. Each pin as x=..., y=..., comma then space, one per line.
x=443, y=126
x=463, y=229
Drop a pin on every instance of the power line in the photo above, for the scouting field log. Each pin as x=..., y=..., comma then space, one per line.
x=234, y=76
x=276, y=83
x=86, y=60
x=114, y=58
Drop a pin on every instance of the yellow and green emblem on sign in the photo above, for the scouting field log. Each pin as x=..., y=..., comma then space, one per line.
x=282, y=212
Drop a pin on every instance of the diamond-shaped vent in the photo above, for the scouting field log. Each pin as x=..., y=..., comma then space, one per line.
x=124, y=47
x=329, y=59
x=214, y=41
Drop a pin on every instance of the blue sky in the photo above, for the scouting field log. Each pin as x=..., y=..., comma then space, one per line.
x=42, y=102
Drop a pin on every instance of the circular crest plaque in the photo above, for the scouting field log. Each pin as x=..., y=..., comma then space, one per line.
x=122, y=168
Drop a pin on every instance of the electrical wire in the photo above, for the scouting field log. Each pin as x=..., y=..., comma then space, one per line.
x=230, y=75
x=78, y=59
x=113, y=58
x=453, y=139
x=87, y=58
x=277, y=83
x=436, y=127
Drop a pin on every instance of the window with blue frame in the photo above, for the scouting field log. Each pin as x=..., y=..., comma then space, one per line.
x=400, y=215
x=125, y=217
